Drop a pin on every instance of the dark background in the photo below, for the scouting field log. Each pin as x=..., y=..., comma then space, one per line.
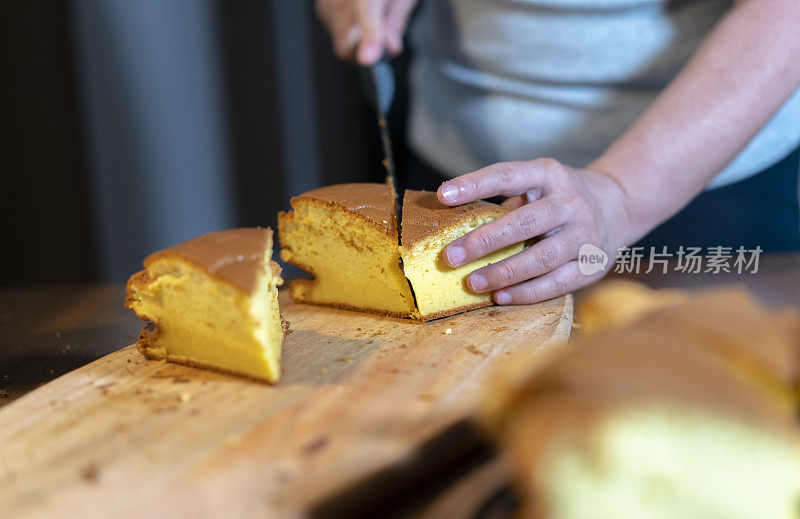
x=130, y=126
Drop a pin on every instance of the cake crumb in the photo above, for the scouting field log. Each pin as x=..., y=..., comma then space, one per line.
x=105, y=387
x=448, y=331
x=90, y=473
x=185, y=396
x=474, y=350
x=500, y=328
x=315, y=445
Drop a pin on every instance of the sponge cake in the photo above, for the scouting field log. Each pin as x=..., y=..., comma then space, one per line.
x=346, y=236
x=212, y=302
x=428, y=227
x=688, y=412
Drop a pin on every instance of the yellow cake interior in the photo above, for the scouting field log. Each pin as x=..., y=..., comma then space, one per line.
x=667, y=463
x=355, y=265
x=206, y=322
x=618, y=302
x=439, y=288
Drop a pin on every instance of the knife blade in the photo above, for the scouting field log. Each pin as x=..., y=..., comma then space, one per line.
x=379, y=85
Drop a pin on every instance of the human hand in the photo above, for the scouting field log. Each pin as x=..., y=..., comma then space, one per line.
x=362, y=30
x=567, y=207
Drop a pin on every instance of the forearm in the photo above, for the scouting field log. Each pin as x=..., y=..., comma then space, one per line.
x=744, y=71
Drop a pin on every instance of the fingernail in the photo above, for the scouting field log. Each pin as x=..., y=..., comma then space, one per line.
x=449, y=193
x=502, y=298
x=455, y=255
x=477, y=282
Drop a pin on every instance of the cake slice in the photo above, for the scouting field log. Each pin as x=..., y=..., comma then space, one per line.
x=428, y=227
x=617, y=302
x=212, y=302
x=687, y=413
x=346, y=236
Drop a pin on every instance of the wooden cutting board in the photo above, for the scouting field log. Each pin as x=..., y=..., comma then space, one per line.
x=362, y=399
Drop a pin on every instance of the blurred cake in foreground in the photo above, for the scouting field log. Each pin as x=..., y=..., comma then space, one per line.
x=618, y=302
x=691, y=412
x=212, y=302
x=428, y=227
x=346, y=236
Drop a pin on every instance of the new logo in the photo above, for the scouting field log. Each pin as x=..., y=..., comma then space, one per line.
x=591, y=259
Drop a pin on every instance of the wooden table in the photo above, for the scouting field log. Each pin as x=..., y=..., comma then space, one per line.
x=48, y=331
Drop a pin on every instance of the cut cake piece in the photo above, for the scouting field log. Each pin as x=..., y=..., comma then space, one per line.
x=428, y=227
x=212, y=302
x=346, y=236
x=617, y=302
x=689, y=412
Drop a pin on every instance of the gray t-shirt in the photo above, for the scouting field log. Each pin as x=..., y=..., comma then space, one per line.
x=497, y=80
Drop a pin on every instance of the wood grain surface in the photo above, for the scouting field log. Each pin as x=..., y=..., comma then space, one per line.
x=362, y=396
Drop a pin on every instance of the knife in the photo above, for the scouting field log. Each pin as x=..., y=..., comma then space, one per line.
x=379, y=86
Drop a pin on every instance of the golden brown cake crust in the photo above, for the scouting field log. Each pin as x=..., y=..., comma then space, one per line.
x=425, y=216
x=386, y=313
x=145, y=350
x=373, y=203
x=454, y=311
x=343, y=306
x=212, y=253
x=138, y=281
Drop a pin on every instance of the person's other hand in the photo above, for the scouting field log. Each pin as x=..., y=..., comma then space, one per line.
x=567, y=207
x=362, y=30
